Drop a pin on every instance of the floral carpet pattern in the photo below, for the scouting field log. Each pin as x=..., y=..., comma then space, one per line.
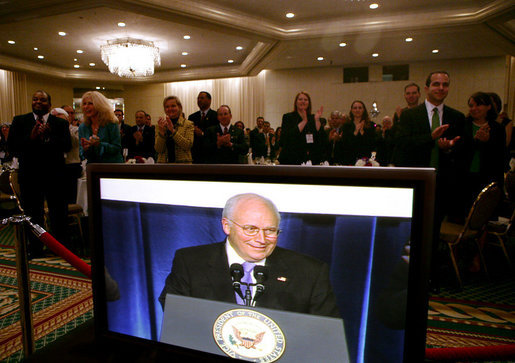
x=61, y=301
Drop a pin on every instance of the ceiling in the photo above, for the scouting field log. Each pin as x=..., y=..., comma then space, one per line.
x=457, y=28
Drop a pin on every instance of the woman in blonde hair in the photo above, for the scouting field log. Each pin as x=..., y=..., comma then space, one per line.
x=99, y=134
x=174, y=138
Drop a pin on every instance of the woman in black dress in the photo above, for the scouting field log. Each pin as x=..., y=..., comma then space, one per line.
x=359, y=137
x=302, y=137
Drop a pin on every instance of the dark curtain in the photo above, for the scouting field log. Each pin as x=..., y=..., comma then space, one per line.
x=140, y=241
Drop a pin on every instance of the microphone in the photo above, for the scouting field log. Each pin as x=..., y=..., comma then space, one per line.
x=237, y=274
x=261, y=275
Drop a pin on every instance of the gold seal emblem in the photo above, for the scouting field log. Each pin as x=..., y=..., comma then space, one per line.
x=249, y=335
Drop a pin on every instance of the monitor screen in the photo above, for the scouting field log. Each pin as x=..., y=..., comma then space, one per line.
x=371, y=226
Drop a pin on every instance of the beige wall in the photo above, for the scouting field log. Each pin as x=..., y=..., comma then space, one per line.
x=326, y=87
x=60, y=90
x=148, y=98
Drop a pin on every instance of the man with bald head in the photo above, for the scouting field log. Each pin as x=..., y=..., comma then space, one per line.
x=295, y=282
x=39, y=140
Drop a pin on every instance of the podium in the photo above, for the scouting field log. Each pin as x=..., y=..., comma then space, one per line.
x=252, y=333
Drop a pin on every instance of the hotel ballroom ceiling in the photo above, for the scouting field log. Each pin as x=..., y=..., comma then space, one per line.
x=269, y=40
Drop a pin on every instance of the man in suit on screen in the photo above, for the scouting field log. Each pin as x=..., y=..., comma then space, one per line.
x=294, y=282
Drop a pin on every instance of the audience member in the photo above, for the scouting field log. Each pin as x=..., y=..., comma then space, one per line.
x=334, y=134
x=386, y=142
x=411, y=95
x=125, y=130
x=505, y=121
x=148, y=121
x=39, y=141
x=100, y=140
x=268, y=132
x=303, y=136
x=484, y=146
x=202, y=119
x=5, y=155
x=359, y=137
x=224, y=142
x=141, y=144
x=257, y=139
x=429, y=136
x=73, y=168
x=175, y=134
x=240, y=125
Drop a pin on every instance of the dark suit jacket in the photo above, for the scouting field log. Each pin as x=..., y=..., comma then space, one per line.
x=126, y=134
x=203, y=272
x=197, y=151
x=257, y=143
x=414, y=142
x=295, y=149
x=146, y=148
x=224, y=155
x=38, y=156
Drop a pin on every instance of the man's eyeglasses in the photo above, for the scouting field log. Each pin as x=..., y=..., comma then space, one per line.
x=252, y=231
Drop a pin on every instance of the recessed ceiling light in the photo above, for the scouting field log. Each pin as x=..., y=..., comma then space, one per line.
x=36, y=48
x=184, y=53
x=373, y=6
x=342, y=44
x=11, y=42
x=62, y=34
x=75, y=59
x=435, y=51
x=320, y=58
x=183, y=65
x=375, y=55
x=92, y=64
x=41, y=56
x=239, y=47
x=409, y=39
x=186, y=37
x=76, y=66
x=121, y=24
x=80, y=51
x=230, y=61
x=290, y=15
x=97, y=87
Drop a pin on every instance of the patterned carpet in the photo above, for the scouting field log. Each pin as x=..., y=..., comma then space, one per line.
x=481, y=314
x=61, y=298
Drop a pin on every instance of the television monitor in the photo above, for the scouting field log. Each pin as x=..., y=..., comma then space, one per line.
x=372, y=226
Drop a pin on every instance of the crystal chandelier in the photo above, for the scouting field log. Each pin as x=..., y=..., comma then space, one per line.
x=130, y=57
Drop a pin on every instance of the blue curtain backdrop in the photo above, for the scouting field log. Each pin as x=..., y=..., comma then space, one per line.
x=140, y=241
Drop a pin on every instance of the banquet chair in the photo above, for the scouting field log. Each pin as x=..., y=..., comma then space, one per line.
x=75, y=213
x=15, y=187
x=8, y=202
x=482, y=209
x=502, y=231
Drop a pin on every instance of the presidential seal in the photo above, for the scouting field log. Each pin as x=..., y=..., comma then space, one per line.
x=249, y=335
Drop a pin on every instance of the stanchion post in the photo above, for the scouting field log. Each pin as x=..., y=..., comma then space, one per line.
x=22, y=269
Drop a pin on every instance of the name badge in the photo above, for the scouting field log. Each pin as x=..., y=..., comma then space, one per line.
x=309, y=138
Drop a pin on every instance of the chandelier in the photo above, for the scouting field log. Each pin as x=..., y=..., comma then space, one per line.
x=130, y=58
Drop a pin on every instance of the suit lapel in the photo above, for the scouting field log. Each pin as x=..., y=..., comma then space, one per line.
x=277, y=283
x=219, y=275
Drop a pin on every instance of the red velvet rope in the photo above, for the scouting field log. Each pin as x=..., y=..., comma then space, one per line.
x=65, y=253
x=491, y=352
